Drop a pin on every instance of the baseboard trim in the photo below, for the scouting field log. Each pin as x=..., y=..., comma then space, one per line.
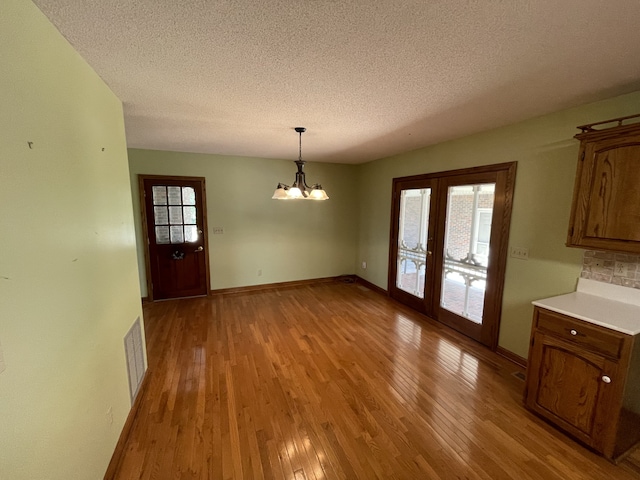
x=371, y=286
x=271, y=286
x=517, y=359
x=118, y=452
x=293, y=284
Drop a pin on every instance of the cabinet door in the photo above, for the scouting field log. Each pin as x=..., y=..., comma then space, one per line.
x=607, y=197
x=572, y=387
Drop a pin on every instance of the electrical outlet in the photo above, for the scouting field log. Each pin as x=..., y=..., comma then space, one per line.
x=519, y=252
x=620, y=270
x=364, y=265
x=109, y=416
x=218, y=230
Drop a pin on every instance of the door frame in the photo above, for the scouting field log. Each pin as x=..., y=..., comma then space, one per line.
x=503, y=204
x=145, y=233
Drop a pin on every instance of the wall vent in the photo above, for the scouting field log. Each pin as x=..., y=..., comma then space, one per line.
x=135, y=358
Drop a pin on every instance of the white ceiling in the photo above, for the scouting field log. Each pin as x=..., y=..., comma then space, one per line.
x=367, y=78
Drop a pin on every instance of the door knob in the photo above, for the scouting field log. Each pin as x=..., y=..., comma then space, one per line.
x=199, y=249
x=606, y=379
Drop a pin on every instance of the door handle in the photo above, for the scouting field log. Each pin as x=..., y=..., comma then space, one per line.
x=199, y=249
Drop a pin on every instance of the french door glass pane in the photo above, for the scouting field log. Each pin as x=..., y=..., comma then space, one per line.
x=466, y=249
x=412, y=240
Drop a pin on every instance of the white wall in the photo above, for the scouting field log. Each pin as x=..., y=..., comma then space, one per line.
x=68, y=273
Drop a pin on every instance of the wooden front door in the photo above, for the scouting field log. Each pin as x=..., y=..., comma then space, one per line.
x=449, y=246
x=174, y=218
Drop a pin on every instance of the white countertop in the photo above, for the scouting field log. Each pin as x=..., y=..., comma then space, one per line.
x=610, y=306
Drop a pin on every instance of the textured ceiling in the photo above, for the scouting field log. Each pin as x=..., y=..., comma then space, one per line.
x=367, y=78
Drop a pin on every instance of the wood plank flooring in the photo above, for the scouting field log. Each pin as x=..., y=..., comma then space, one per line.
x=334, y=381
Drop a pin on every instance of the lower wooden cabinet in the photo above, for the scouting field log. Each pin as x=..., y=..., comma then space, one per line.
x=582, y=378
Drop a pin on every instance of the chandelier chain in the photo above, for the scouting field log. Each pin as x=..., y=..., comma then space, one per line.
x=300, y=146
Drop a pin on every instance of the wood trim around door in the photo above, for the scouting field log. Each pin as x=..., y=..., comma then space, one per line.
x=504, y=200
x=145, y=234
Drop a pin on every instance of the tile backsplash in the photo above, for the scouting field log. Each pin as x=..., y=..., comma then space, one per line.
x=609, y=267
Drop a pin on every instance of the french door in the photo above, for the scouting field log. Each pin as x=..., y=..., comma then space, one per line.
x=449, y=246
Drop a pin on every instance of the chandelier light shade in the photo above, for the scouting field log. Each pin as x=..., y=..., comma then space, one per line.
x=299, y=190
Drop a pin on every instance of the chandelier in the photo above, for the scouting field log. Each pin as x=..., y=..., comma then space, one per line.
x=299, y=190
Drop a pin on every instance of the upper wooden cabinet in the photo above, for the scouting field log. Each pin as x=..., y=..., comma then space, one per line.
x=605, y=214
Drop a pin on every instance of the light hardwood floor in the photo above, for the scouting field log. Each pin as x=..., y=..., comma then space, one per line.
x=334, y=381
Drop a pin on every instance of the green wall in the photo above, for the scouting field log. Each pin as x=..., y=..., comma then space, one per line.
x=547, y=155
x=68, y=272
x=69, y=282
x=286, y=240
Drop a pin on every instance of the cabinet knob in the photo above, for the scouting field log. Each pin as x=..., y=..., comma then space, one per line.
x=574, y=332
x=606, y=379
